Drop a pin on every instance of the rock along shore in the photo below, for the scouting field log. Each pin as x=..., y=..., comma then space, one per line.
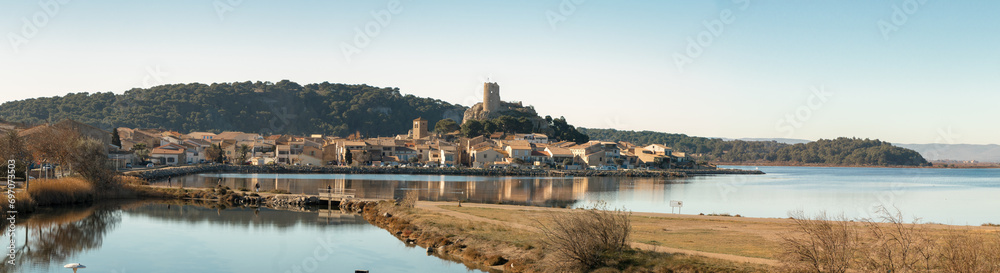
x=161, y=173
x=456, y=248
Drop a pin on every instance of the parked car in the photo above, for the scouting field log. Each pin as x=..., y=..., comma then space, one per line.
x=150, y=165
x=128, y=165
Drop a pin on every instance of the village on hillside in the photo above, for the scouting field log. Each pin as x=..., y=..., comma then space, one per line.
x=422, y=146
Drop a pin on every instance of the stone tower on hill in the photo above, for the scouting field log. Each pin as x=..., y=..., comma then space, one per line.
x=492, y=107
x=491, y=96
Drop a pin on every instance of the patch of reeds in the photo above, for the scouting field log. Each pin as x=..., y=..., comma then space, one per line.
x=67, y=190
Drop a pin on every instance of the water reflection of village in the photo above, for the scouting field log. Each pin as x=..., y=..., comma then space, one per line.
x=534, y=191
x=50, y=239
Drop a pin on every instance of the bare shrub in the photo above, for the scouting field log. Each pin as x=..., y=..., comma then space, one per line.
x=409, y=199
x=964, y=251
x=890, y=245
x=591, y=238
x=887, y=244
x=993, y=252
x=826, y=245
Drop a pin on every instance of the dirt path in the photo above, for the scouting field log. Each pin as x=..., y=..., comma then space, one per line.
x=435, y=207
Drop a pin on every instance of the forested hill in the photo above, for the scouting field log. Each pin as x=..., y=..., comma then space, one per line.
x=841, y=151
x=259, y=107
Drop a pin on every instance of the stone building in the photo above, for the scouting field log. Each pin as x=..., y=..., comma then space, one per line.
x=420, y=128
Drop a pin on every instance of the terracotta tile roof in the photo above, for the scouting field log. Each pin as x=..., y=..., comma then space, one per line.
x=229, y=135
x=483, y=148
x=355, y=143
x=200, y=142
x=519, y=145
x=170, y=148
x=556, y=151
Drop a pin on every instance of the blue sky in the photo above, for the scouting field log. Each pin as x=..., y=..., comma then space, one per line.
x=798, y=69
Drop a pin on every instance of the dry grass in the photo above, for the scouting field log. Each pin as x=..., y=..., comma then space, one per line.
x=887, y=244
x=132, y=181
x=934, y=247
x=48, y=192
x=484, y=231
x=727, y=236
x=74, y=190
x=626, y=261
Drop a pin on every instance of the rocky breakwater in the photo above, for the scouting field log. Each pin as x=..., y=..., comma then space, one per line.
x=716, y=171
x=223, y=195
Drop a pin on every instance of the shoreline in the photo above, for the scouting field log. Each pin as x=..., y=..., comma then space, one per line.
x=710, y=243
x=161, y=173
x=780, y=164
x=496, y=246
x=731, y=244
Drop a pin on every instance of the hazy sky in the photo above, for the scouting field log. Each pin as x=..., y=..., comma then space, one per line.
x=902, y=71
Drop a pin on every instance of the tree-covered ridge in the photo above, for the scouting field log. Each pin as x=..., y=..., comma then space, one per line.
x=840, y=151
x=259, y=107
x=557, y=129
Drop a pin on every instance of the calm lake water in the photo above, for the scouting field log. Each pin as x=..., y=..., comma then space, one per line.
x=162, y=237
x=159, y=237
x=948, y=196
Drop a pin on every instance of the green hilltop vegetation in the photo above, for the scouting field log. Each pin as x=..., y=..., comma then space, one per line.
x=841, y=151
x=284, y=107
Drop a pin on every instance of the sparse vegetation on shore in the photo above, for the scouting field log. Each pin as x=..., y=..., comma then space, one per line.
x=886, y=244
x=520, y=248
x=74, y=190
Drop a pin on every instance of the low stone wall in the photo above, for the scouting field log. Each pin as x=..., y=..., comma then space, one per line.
x=224, y=195
x=162, y=173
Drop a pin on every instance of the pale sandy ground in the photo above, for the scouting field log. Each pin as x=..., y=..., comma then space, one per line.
x=744, y=233
x=434, y=207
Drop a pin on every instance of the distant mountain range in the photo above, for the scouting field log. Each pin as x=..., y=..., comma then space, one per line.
x=961, y=152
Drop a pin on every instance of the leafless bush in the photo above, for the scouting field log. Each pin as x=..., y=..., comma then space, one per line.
x=590, y=238
x=886, y=244
x=890, y=245
x=827, y=245
x=409, y=200
x=963, y=251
